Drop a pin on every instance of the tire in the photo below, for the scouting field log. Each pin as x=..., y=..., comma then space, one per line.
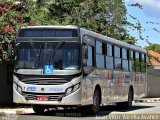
x=130, y=99
x=95, y=107
x=38, y=109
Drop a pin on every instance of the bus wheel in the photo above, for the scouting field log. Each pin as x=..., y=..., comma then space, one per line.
x=95, y=107
x=130, y=99
x=38, y=109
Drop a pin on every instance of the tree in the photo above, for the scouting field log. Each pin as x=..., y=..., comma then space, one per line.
x=14, y=15
x=107, y=17
x=154, y=47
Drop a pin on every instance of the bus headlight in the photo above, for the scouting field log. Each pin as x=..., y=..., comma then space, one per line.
x=76, y=87
x=69, y=91
x=72, y=89
x=17, y=87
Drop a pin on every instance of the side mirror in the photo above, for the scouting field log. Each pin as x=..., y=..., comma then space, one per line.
x=11, y=51
x=84, y=62
x=10, y=47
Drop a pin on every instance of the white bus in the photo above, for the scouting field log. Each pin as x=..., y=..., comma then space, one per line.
x=68, y=66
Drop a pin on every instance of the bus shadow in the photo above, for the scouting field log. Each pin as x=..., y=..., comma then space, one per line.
x=114, y=108
x=105, y=110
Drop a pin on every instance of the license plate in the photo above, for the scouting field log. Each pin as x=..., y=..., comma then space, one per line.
x=42, y=98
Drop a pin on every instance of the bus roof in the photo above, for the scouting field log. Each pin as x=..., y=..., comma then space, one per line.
x=49, y=27
x=93, y=34
x=111, y=40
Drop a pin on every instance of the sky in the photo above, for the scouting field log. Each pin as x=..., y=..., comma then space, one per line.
x=150, y=12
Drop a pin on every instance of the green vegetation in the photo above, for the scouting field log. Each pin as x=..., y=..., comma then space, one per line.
x=107, y=17
x=154, y=47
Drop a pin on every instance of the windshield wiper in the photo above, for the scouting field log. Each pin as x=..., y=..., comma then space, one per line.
x=39, y=57
x=34, y=49
x=53, y=50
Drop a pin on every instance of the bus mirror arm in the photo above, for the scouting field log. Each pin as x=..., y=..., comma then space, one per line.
x=87, y=70
x=85, y=51
x=84, y=62
x=9, y=49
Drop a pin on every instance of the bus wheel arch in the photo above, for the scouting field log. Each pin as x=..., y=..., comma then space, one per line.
x=93, y=108
x=130, y=97
x=99, y=90
x=131, y=89
x=128, y=103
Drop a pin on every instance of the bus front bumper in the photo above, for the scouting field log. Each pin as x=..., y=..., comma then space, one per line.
x=71, y=99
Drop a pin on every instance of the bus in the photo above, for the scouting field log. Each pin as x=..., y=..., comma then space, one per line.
x=69, y=66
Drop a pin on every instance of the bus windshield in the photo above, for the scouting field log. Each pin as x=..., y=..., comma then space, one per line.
x=35, y=55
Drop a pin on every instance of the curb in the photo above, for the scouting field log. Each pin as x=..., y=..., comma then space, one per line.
x=16, y=111
x=148, y=100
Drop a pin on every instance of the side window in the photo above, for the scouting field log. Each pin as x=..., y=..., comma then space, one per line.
x=143, y=63
x=124, y=53
x=131, y=61
x=109, y=50
x=109, y=62
x=137, y=57
x=89, y=41
x=100, y=63
x=98, y=47
x=125, y=59
x=131, y=56
x=117, y=63
x=109, y=57
x=137, y=62
x=117, y=51
x=90, y=56
x=117, y=58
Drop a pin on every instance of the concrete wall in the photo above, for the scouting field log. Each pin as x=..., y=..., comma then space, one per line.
x=6, y=97
x=153, y=83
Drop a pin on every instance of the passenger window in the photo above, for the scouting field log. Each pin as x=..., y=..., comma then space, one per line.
x=116, y=51
x=90, y=57
x=131, y=66
x=118, y=63
x=131, y=55
x=143, y=63
x=143, y=58
x=143, y=67
x=137, y=57
x=125, y=65
x=99, y=61
x=109, y=62
x=98, y=47
x=109, y=50
x=124, y=53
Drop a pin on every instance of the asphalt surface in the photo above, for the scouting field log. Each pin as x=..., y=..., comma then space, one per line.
x=141, y=111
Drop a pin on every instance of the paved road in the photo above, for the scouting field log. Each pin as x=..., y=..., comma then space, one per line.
x=139, y=111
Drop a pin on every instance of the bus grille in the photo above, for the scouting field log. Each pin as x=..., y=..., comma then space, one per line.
x=51, y=96
x=46, y=81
